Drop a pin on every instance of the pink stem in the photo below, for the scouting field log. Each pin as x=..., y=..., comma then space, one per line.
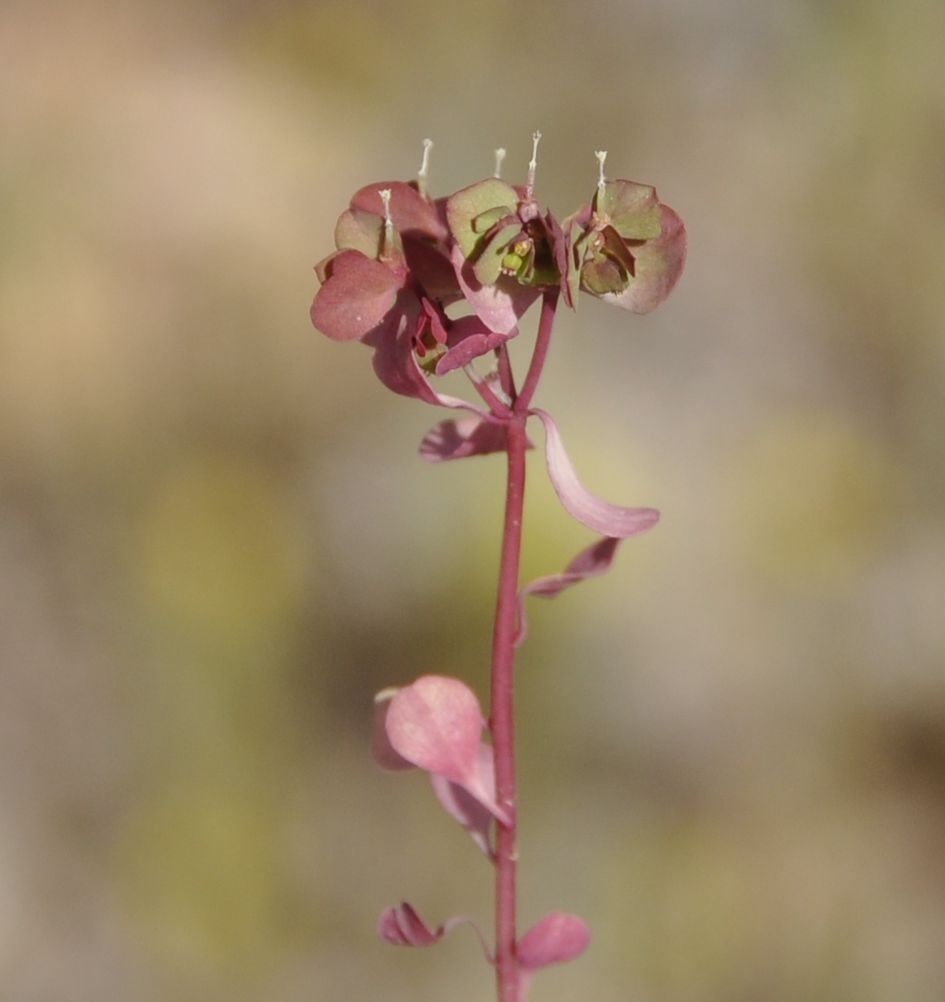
x=549, y=305
x=502, y=720
x=506, y=377
x=495, y=405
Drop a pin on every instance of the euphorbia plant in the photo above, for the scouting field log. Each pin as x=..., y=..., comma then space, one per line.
x=433, y=285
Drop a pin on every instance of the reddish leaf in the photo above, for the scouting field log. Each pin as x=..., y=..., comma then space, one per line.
x=397, y=368
x=381, y=748
x=590, y=563
x=473, y=815
x=432, y=269
x=436, y=724
x=468, y=338
x=402, y=926
x=410, y=212
x=462, y=437
x=597, y=514
x=556, y=939
x=357, y=297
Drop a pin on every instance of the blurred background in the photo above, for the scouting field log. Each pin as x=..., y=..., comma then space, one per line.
x=217, y=540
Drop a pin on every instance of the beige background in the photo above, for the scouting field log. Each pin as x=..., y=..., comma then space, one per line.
x=217, y=541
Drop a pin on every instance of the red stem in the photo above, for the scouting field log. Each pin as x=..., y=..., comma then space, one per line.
x=506, y=376
x=549, y=304
x=495, y=405
x=502, y=721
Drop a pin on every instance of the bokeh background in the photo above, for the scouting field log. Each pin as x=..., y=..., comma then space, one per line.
x=217, y=540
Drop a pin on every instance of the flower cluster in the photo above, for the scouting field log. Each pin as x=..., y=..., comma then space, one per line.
x=431, y=284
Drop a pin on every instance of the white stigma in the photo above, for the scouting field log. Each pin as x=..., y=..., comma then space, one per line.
x=601, y=180
x=424, y=165
x=532, y=166
x=499, y=157
x=385, y=194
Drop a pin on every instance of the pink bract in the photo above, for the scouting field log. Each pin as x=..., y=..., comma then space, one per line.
x=590, y=563
x=436, y=724
x=402, y=926
x=556, y=939
x=597, y=514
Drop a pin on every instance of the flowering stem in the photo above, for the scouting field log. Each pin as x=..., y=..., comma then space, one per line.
x=506, y=378
x=549, y=305
x=502, y=721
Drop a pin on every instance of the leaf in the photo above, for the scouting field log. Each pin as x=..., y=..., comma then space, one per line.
x=461, y=438
x=474, y=816
x=596, y=560
x=432, y=269
x=633, y=209
x=472, y=211
x=657, y=266
x=556, y=939
x=356, y=298
x=402, y=926
x=410, y=212
x=397, y=368
x=360, y=231
x=436, y=724
x=597, y=514
x=468, y=338
x=381, y=748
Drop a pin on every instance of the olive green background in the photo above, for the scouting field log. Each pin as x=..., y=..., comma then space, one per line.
x=217, y=540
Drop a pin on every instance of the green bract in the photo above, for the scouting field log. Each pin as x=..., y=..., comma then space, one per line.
x=632, y=209
x=499, y=234
x=475, y=210
x=627, y=248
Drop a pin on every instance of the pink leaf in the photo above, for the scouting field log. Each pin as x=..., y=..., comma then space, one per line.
x=358, y=295
x=556, y=939
x=597, y=514
x=589, y=563
x=409, y=210
x=397, y=368
x=381, y=748
x=473, y=815
x=431, y=267
x=468, y=339
x=457, y=439
x=436, y=724
x=402, y=926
